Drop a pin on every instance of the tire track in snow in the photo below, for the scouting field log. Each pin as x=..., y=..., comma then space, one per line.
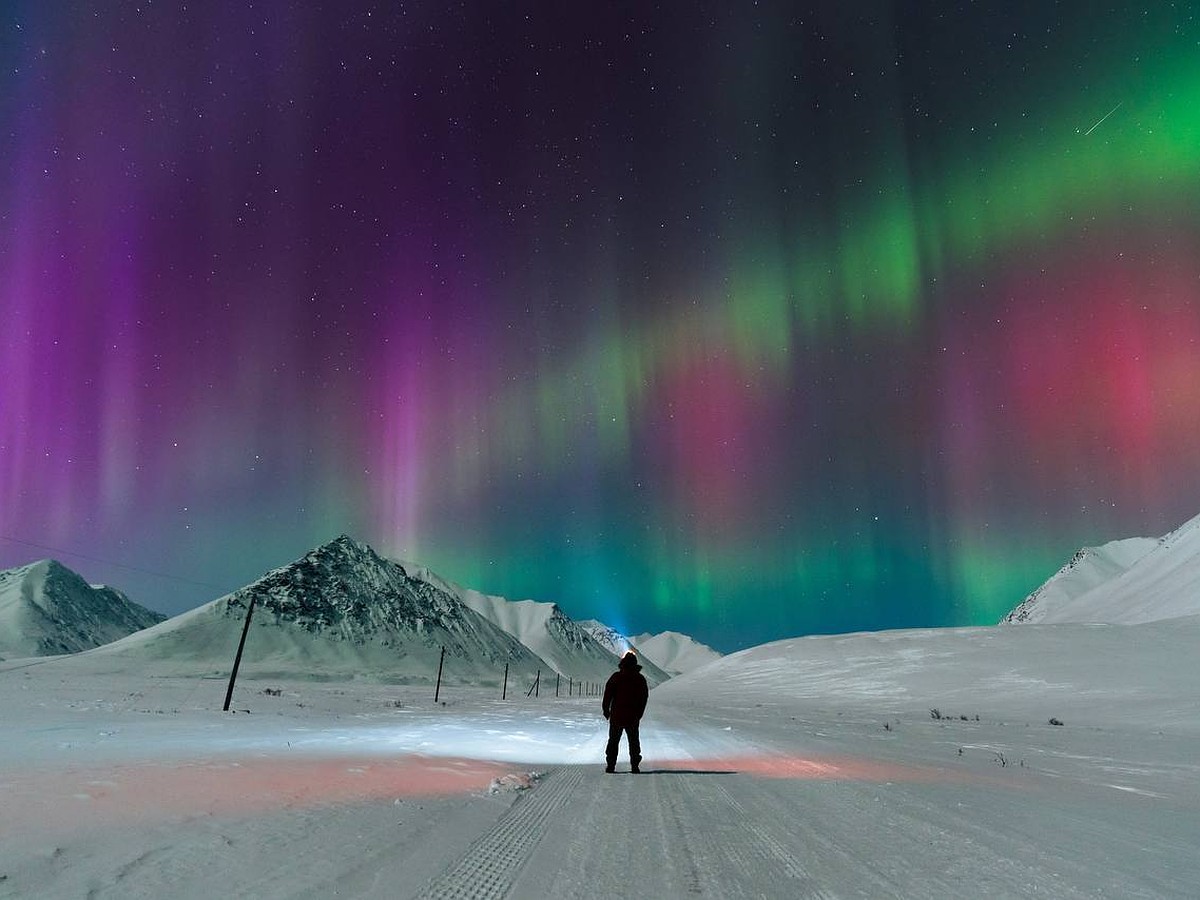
x=675, y=834
x=621, y=833
x=767, y=851
x=735, y=848
x=489, y=867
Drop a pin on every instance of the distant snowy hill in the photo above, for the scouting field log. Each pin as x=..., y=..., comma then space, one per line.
x=670, y=651
x=47, y=609
x=544, y=628
x=606, y=636
x=1139, y=676
x=674, y=652
x=1123, y=582
x=341, y=610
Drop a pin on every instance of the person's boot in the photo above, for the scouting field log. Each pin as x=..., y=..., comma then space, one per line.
x=611, y=767
x=633, y=765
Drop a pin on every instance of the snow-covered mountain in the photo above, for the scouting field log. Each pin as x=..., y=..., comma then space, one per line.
x=606, y=636
x=47, y=609
x=670, y=651
x=340, y=610
x=1123, y=582
x=544, y=628
x=674, y=652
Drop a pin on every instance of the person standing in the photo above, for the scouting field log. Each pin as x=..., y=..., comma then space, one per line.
x=625, y=697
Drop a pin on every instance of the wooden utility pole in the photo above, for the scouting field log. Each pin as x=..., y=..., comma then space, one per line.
x=237, y=660
x=438, y=690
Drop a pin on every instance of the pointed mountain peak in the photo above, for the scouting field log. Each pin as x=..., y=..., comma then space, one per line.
x=37, y=567
x=45, y=572
x=343, y=608
x=52, y=568
x=346, y=551
x=48, y=609
x=343, y=543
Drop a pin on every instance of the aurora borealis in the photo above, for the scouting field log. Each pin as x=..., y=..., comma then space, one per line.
x=746, y=320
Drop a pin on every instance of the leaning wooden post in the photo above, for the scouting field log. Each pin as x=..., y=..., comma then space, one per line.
x=504, y=690
x=237, y=660
x=438, y=690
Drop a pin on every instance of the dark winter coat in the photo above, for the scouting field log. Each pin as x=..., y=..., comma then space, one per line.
x=625, y=695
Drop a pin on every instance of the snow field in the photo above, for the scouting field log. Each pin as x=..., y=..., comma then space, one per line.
x=806, y=768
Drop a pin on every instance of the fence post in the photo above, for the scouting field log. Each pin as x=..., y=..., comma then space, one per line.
x=557, y=680
x=504, y=691
x=438, y=690
x=237, y=660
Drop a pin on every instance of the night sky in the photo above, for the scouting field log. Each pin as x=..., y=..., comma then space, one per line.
x=746, y=320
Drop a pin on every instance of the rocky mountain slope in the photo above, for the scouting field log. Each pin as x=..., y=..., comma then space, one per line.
x=47, y=609
x=544, y=628
x=339, y=611
x=606, y=636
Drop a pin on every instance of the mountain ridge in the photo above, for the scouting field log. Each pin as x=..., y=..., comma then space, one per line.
x=47, y=609
x=1123, y=582
x=344, y=610
x=675, y=652
x=339, y=610
x=567, y=645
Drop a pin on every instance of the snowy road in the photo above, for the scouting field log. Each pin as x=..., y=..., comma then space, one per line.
x=826, y=826
x=115, y=787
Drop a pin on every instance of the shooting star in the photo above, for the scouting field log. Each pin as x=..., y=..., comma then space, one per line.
x=1102, y=118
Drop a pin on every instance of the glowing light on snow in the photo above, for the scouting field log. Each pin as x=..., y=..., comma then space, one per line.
x=103, y=797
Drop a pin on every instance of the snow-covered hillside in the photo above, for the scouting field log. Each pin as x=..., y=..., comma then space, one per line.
x=670, y=651
x=674, y=652
x=340, y=611
x=1061, y=763
x=1123, y=582
x=544, y=628
x=1099, y=674
x=47, y=609
x=608, y=637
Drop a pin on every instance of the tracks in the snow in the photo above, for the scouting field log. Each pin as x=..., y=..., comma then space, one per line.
x=489, y=867
x=582, y=832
